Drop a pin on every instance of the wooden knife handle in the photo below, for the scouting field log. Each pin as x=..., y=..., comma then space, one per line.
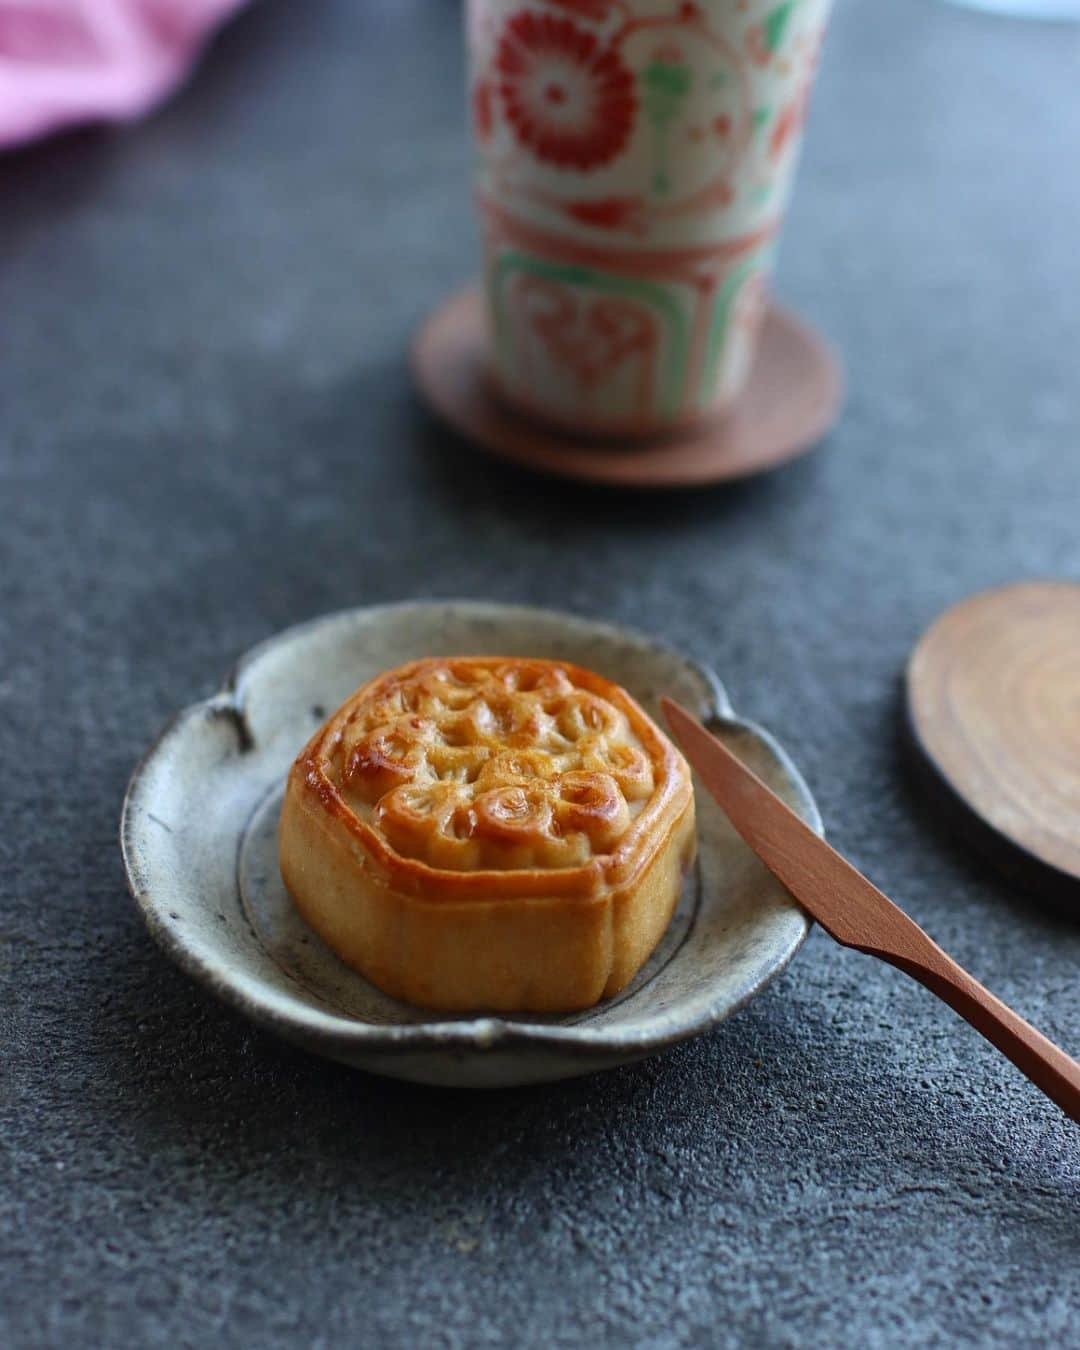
x=1049, y=1068
x=853, y=911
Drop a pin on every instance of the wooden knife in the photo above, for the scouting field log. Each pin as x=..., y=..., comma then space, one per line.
x=858, y=915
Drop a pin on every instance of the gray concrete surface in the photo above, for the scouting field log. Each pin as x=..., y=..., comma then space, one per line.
x=207, y=433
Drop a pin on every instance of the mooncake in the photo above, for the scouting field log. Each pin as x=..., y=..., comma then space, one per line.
x=489, y=833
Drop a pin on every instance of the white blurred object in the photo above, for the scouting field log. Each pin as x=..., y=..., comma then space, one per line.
x=1026, y=9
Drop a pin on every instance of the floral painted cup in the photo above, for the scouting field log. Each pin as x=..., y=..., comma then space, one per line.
x=634, y=159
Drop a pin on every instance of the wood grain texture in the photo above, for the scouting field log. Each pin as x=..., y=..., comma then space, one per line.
x=854, y=912
x=993, y=708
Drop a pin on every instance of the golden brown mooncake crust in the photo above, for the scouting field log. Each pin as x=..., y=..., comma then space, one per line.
x=489, y=833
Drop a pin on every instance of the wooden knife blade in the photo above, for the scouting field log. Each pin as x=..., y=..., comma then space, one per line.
x=857, y=914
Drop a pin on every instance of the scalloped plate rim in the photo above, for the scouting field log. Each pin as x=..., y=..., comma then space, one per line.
x=339, y=1036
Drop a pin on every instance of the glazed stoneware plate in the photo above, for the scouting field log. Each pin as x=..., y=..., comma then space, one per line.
x=199, y=838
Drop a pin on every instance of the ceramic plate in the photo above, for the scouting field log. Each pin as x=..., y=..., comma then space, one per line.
x=198, y=834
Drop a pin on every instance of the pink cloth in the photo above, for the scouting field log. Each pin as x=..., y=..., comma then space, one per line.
x=68, y=61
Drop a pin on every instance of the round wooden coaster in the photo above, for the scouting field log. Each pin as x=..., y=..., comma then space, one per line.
x=790, y=401
x=993, y=703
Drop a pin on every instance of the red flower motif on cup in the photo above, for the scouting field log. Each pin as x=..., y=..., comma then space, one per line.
x=569, y=99
x=483, y=116
x=757, y=45
x=789, y=123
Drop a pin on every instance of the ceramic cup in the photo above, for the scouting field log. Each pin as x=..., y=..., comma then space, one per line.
x=634, y=159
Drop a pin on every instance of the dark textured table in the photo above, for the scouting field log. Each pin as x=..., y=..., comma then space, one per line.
x=208, y=433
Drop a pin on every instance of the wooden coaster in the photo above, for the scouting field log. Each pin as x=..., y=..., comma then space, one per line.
x=790, y=401
x=993, y=702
